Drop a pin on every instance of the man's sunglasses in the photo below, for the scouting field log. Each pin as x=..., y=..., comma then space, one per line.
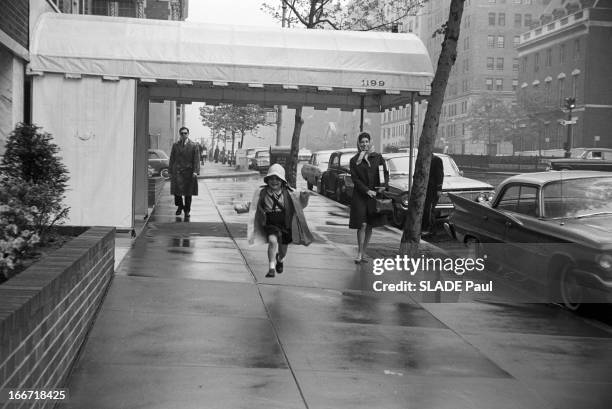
x=184, y=133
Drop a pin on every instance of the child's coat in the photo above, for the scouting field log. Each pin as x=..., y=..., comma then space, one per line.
x=300, y=233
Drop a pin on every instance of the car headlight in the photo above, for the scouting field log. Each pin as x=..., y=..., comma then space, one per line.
x=404, y=199
x=605, y=262
x=484, y=197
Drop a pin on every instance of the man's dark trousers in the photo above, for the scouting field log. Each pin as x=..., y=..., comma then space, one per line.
x=178, y=202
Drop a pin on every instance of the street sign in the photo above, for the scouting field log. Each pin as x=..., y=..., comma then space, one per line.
x=566, y=123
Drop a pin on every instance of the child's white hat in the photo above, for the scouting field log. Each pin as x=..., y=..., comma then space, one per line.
x=276, y=170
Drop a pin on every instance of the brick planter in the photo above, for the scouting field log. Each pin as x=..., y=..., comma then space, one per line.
x=46, y=311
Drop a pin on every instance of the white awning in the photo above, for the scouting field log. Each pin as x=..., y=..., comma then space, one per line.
x=188, y=61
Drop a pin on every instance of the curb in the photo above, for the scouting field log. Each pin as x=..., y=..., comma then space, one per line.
x=230, y=175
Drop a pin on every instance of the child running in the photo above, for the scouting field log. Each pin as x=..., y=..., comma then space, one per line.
x=276, y=216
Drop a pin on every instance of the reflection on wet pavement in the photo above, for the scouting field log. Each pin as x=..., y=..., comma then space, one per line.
x=191, y=313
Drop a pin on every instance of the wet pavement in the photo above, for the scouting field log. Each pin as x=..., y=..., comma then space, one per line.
x=190, y=321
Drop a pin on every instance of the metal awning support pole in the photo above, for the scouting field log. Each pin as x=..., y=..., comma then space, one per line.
x=362, y=108
x=411, y=142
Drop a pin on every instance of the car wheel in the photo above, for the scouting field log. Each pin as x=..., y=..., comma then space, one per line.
x=164, y=173
x=339, y=195
x=474, y=247
x=309, y=185
x=324, y=189
x=398, y=218
x=572, y=294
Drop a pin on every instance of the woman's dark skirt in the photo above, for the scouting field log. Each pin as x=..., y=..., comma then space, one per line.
x=363, y=210
x=275, y=224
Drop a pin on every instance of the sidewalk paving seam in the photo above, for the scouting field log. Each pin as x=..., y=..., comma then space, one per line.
x=269, y=316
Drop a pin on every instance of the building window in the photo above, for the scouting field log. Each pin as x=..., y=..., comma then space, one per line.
x=536, y=62
x=515, y=64
x=574, y=85
x=562, y=53
x=466, y=43
x=489, y=84
x=527, y=20
x=499, y=84
x=491, y=19
x=561, y=91
x=491, y=41
x=514, y=85
x=518, y=20
x=576, y=49
x=547, y=95
x=524, y=66
x=500, y=64
x=489, y=63
x=516, y=41
x=501, y=19
x=491, y=1
x=548, y=61
x=516, y=1
x=501, y=42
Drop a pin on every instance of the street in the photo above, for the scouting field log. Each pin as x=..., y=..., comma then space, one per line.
x=190, y=318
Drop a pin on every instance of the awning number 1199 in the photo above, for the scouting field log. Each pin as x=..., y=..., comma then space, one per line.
x=372, y=83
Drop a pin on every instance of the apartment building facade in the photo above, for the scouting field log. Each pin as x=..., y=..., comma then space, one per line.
x=14, y=55
x=487, y=63
x=568, y=55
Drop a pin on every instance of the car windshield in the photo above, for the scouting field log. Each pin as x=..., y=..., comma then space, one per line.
x=578, y=197
x=158, y=154
x=400, y=165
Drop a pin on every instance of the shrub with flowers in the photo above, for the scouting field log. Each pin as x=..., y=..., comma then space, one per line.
x=32, y=185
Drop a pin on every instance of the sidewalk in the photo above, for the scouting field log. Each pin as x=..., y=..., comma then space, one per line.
x=190, y=321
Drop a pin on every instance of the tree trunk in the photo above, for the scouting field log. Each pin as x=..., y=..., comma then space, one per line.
x=241, y=139
x=412, y=224
x=233, y=142
x=292, y=160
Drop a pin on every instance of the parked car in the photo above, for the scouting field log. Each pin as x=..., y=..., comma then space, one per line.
x=304, y=154
x=261, y=161
x=454, y=182
x=553, y=227
x=591, y=159
x=250, y=153
x=317, y=164
x=159, y=161
x=337, y=177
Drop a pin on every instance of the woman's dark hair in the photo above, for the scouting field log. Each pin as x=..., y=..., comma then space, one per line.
x=364, y=135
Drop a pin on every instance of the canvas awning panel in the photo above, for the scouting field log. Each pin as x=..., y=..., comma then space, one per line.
x=186, y=60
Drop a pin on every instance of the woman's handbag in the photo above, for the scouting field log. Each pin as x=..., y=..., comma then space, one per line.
x=384, y=206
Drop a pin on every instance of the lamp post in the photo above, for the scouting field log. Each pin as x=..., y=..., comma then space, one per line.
x=570, y=104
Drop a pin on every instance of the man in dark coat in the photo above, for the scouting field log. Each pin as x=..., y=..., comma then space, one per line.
x=434, y=187
x=184, y=170
x=216, y=155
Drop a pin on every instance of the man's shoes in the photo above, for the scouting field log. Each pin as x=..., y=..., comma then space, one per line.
x=279, y=265
x=271, y=273
x=187, y=214
x=179, y=211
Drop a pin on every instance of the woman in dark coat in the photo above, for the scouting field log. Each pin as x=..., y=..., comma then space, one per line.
x=370, y=176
